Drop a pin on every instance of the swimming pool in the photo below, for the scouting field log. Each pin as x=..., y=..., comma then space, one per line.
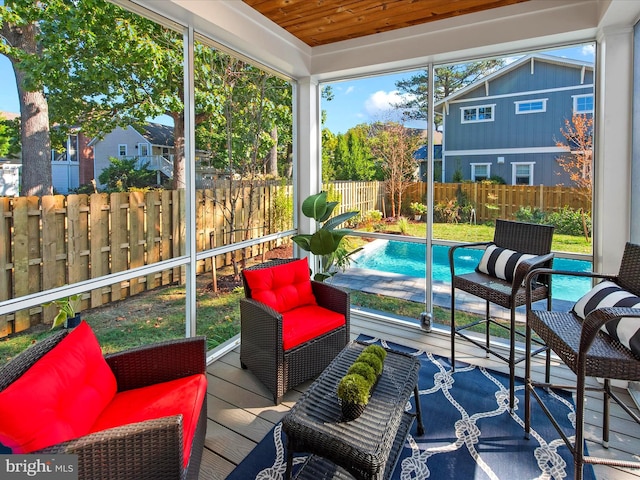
x=409, y=259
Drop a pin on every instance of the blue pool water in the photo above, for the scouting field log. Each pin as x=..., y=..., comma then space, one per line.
x=409, y=259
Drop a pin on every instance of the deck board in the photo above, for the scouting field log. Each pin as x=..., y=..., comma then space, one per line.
x=241, y=411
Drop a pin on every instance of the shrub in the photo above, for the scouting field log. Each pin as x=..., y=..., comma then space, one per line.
x=122, y=174
x=373, y=360
x=354, y=389
x=418, y=208
x=568, y=221
x=403, y=225
x=531, y=215
x=364, y=370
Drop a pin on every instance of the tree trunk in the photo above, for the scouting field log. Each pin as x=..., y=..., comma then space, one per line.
x=272, y=159
x=179, y=177
x=34, y=116
x=36, y=143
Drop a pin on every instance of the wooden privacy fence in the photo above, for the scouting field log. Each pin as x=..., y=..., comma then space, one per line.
x=502, y=201
x=56, y=240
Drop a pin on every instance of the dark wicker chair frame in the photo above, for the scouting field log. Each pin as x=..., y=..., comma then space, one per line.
x=145, y=450
x=588, y=352
x=261, y=348
x=521, y=237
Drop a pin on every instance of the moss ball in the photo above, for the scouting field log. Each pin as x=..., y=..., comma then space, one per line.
x=377, y=350
x=354, y=388
x=364, y=370
x=373, y=360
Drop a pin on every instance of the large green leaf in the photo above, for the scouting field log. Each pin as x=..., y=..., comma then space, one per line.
x=315, y=206
x=328, y=211
x=322, y=242
x=338, y=219
x=303, y=241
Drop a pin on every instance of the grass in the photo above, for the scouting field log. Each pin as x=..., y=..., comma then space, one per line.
x=159, y=314
x=462, y=232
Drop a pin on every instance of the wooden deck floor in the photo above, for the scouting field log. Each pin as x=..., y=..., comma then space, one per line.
x=241, y=411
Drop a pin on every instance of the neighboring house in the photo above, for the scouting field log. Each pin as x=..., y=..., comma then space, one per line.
x=153, y=146
x=421, y=156
x=484, y=122
x=73, y=166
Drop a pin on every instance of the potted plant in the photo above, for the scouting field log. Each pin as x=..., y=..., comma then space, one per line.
x=67, y=311
x=354, y=389
x=328, y=241
x=418, y=209
x=353, y=392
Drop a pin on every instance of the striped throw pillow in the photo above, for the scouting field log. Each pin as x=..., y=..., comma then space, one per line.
x=608, y=294
x=501, y=262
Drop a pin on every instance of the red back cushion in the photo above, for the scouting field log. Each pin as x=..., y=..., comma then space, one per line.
x=59, y=397
x=283, y=287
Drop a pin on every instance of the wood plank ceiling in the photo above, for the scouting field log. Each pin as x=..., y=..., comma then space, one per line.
x=320, y=22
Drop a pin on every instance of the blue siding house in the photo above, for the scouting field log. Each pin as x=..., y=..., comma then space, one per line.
x=508, y=123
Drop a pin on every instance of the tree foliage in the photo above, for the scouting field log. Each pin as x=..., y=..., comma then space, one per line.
x=577, y=142
x=448, y=79
x=394, y=146
x=101, y=66
x=352, y=158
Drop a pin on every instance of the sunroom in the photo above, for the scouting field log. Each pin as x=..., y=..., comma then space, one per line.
x=240, y=410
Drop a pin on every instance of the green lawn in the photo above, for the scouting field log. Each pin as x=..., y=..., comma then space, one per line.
x=462, y=232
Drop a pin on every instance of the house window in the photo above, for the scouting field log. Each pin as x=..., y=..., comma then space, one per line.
x=522, y=173
x=481, y=113
x=531, y=106
x=143, y=149
x=583, y=103
x=122, y=150
x=480, y=171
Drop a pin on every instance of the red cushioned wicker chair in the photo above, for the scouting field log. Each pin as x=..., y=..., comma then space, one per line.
x=268, y=350
x=526, y=238
x=588, y=352
x=155, y=448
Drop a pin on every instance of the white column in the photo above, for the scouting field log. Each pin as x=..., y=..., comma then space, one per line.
x=307, y=158
x=612, y=167
x=635, y=167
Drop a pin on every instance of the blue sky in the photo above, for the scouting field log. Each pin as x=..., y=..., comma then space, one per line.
x=355, y=101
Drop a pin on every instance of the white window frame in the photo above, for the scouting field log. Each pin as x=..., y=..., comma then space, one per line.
x=514, y=168
x=477, y=111
x=575, y=103
x=473, y=170
x=122, y=147
x=519, y=104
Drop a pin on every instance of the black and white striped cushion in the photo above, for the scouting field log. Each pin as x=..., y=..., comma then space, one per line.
x=608, y=294
x=501, y=262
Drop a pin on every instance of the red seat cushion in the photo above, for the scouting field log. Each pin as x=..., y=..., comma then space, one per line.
x=182, y=396
x=283, y=287
x=305, y=323
x=59, y=397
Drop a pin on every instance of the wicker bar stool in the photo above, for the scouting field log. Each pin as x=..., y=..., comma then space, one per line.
x=511, y=239
x=588, y=351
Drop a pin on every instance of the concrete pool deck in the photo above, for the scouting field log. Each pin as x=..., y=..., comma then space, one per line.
x=414, y=290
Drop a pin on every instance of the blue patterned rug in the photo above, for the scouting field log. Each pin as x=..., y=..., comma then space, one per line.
x=470, y=433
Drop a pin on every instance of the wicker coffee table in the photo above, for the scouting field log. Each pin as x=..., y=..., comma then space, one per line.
x=365, y=448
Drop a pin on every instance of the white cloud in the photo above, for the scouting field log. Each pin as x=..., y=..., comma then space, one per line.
x=589, y=50
x=381, y=102
x=349, y=90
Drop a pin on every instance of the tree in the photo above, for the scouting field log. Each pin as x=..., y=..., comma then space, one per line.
x=578, y=144
x=448, y=79
x=394, y=145
x=352, y=159
x=578, y=159
x=9, y=138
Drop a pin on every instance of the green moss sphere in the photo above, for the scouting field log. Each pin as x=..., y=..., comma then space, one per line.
x=373, y=360
x=364, y=370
